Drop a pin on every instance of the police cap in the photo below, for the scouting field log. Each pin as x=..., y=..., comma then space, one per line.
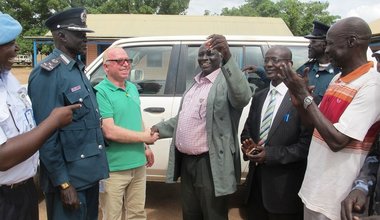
x=73, y=19
x=319, y=31
x=10, y=28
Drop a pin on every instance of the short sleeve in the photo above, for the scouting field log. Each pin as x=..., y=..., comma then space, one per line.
x=3, y=137
x=361, y=113
x=105, y=107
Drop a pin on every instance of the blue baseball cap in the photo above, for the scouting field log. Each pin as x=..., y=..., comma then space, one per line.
x=10, y=28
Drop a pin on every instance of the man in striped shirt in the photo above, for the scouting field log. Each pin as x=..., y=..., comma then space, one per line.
x=346, y=121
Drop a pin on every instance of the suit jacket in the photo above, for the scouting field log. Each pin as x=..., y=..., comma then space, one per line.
x=229, y=94
x=286, y=149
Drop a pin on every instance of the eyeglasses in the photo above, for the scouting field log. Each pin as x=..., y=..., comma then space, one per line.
x=274, y=60
x=122, y=61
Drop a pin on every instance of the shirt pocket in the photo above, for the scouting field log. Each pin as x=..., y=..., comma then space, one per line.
x=78, y=152
x=81, y=97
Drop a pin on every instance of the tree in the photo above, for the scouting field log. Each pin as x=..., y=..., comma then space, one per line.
x=33, y=13
x=297, y=15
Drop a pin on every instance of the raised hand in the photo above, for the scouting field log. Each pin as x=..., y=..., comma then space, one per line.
x=219, y=43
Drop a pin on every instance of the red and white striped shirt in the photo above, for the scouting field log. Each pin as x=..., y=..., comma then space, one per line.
x=351, y=103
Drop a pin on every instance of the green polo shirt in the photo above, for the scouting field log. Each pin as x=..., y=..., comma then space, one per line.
x=124, y=107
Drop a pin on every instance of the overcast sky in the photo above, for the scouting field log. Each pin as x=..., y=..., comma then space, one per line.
x=369, y=10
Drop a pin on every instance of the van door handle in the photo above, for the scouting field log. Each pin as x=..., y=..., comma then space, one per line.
x=154, y=109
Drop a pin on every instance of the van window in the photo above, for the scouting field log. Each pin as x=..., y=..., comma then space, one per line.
x=149, y=69
x=243, y=55
x=254, y=56
x=300, y=54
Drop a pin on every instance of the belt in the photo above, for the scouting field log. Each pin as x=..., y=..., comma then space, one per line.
x=16, y=185
x=196, y=156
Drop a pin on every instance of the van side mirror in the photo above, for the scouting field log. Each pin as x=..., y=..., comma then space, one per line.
x=136, y=75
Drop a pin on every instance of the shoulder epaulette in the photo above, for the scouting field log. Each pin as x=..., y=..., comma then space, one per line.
x=49, y=65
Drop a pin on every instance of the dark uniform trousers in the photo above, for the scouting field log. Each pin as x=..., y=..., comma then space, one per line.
x=19, y=201
x=197, y=189
x=88, y=209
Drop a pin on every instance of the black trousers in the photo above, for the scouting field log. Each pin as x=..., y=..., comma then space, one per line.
x=197, y=189
x=256, y=209
x=88, y=209
x=19, y=202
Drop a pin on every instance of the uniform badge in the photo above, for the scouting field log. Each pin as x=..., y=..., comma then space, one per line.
x=75, y=88
x=83, y=16
x=51, y=64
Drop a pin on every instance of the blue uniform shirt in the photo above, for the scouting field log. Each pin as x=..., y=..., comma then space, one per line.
x=319, y=79
x=76, y=152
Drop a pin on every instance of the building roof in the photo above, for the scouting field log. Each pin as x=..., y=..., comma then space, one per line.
x=375, y=26
x=115, y=26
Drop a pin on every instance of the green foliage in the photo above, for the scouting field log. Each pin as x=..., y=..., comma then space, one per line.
x=297, y=15
x=33, y=13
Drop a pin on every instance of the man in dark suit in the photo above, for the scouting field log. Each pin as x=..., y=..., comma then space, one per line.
x=276, y=144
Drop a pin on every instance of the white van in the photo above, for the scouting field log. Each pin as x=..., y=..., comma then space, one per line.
x=163, y=67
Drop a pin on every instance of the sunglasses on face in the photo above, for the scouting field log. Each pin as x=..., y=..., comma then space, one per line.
x=122, y=61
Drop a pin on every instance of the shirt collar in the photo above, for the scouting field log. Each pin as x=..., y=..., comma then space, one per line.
x=280, y=88
x=358, y=72
x=68, y=61
x=113, y=87
x=210, y=77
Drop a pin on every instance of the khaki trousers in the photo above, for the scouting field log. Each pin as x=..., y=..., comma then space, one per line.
x=122, y=195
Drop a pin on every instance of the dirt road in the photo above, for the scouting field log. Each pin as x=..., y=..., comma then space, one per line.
x=163, y=202
x=22, y=73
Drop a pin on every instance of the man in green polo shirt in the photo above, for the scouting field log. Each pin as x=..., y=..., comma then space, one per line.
x=127, y=153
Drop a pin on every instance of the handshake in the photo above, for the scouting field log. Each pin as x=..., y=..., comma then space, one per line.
x=150, y=135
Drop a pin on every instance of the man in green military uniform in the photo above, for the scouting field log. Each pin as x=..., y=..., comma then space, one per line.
x=73, y=160
x=320, y=70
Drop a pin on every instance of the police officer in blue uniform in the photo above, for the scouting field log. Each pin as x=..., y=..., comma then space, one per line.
x=73, y=160
x=320, y=70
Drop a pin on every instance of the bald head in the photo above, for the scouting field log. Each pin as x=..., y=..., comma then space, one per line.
x=282, y=52
x=353, y=27
x=347, y=37
x=274, y=58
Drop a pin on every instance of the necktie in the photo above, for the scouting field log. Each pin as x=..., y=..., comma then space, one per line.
x=267, y=119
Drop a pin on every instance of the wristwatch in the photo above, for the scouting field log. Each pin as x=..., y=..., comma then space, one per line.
x=307, y=101
x=64, y=185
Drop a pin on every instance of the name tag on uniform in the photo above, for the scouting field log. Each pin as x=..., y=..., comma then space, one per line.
x=76, y=88
x=29, y=117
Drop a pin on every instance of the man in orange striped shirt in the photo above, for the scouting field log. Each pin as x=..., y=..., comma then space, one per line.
x=346, y=121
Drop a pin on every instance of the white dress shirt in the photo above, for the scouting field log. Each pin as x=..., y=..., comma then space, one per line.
x=16, y=117
x=281, y=91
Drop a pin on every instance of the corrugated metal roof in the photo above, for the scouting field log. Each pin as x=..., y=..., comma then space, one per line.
x=136, y=25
